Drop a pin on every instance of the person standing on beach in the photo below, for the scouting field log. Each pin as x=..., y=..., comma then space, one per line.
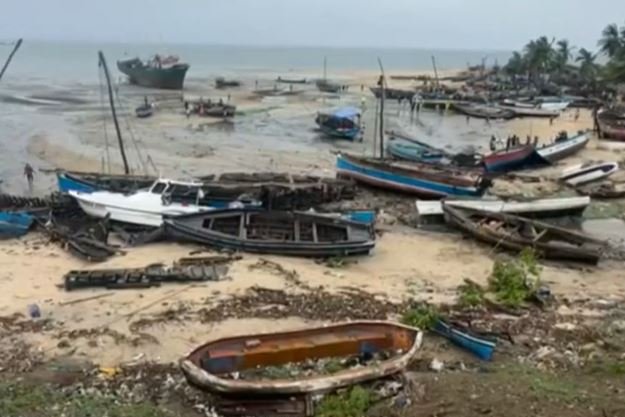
x=29, y=173
x=551, y=119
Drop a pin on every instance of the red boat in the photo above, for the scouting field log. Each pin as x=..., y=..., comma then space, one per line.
x=516, y=158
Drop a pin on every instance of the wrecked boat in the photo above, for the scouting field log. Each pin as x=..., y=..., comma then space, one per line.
x=274, y=232
x=14, y=224
x=210, y=366
x=516, y=233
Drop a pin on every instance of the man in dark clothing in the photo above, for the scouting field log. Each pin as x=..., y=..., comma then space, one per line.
x=29, y=173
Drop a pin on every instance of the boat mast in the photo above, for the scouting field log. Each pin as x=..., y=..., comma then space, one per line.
x=8, y=61
x=382, y=83
x=112, y=102
x=435, y=72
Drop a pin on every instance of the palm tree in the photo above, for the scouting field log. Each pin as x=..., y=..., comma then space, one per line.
x=563, y=54
x=516, y=64
x=539, y=56
x=588, y=68
x=611, y=42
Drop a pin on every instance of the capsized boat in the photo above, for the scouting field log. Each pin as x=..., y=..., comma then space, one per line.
x=515, y=233
x=210, y=366
x=158, y=72
x=14, y=224
x=588, y=172
x=563, y=146
x=548, y=207
x=274, y=232
x=428, y=181
x=511, y=159
x=343, y=123
x=143, y=207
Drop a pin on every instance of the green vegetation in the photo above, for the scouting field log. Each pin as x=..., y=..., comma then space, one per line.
x=608, y=368
x=544, y=384
x=17, y=400
x=513, y=282
x=352, y=403
x=470, y=295
x=422, y=316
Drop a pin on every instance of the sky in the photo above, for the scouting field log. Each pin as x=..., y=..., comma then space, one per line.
x=436, y=24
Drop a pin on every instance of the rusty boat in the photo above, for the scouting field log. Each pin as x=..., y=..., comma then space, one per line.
x=210, y=367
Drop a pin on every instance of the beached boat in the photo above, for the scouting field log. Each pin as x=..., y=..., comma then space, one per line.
x=274, y=232
x=552, y=103
x=535, y=112
x=144, y=111
x=605, y=190
x=588, y=172
x=515, y=158
x=327, y=86
x=90, y=182
x=481, y=347
x=14, y=224
x=166, y=73
x=209, y=108
x=427, y=181
x=548, y=207
x=483, y=111
x=143, y=207
x=515, y=233
x=282, y=80
x=222, y=83
x=343, y=123
x=611, y=123
x=393, y=93
x=210, y=366
x=563, y=146
x=541, y=107
x=410, y=151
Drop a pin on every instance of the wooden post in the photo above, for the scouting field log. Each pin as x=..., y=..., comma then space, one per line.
x=435, y=72
x=112, y=102
x=8, y=61
x=382, y=83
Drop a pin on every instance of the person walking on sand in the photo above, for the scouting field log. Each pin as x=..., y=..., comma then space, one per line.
x=576, y=115
x=29, y=173
x=551, y=119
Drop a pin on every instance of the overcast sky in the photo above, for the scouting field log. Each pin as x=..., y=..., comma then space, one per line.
x=455, y=24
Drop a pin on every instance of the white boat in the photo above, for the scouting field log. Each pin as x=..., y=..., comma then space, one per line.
x=554, y=105
x=549, y=207
x=563, y=147
x=143, y=207
x=585, y=173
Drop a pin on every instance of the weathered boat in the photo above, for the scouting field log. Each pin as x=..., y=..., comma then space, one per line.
x=536, y=108
x=535, y=112
x=343, y=123
x=144, y=111
x=563, y=146
x=158, y=72
x=481, y=347
x=588, y=172
x=515, y=158
x=327, y=86
x=611, y=123
x=483, y=111
x=283, y=80
x=209, y=366
x=410, y=151
x=276, y=232
x=14, y=224
x=423, y=180
x=515, y=233
x=537, y=208
x=222, y=83
x=393, y=93
x=86, y=182
x=210, y=108
x=552, y=103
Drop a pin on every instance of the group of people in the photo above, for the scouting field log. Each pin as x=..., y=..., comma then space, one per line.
x=511, y=142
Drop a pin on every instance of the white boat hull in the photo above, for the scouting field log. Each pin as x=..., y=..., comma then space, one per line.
x=563, y=149
x=554, y=106
x=580, y=174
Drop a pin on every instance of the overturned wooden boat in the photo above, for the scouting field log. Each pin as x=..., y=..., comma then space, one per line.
x=276, y=232
x=209, y=366
x=419, y=179
x=517, y=233
x=563, y=146
x=588, y=172
x=548, y=207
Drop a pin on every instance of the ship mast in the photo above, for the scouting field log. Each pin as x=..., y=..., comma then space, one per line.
x=8, y=61
x=112, y=102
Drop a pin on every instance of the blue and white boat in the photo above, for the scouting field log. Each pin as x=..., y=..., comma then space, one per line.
x=418, y=179
x=409, y=151
x=342, y=123
x=480, y=347
x=14, y=224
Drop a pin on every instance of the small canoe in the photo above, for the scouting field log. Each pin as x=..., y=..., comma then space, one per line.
x=282, y=80
x=209, y=366
x=222, y=83
x=410, y=151
x=517, y=233
x=274, y=232
x=562, y=147
x=14, y=224
x=538, y=208
x=479, y=346
x=509, y=160
x=483, y=111
x=589, y=172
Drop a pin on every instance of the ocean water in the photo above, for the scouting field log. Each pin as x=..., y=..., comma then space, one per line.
x=58, y=62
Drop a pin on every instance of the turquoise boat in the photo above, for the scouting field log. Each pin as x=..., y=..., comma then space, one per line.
x=342, y=123
x=165, y=73
x=410, y=151
x=14, y=224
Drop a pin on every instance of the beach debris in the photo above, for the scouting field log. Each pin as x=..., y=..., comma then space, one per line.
x=185, y=270
x=437, y=365
x=34, y=311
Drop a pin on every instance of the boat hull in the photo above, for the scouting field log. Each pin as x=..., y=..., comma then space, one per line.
x=560, y=150
x=383, y=176
x=519, y=158
x=14, y=224
x=413, y=152
x=583, y=175
x=170, y=78
x=480, y=347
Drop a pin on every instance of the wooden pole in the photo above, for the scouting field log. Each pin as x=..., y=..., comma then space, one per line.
x=112, y=102
x=8, y=61
x=382, y=83
x=435, y=72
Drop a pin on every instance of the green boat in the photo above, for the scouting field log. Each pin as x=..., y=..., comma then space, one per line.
x=158, y=72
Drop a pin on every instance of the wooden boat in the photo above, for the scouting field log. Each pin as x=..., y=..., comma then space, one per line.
x=327, y=86
x=222, y=83
x=541, y=107
x=515, y=233
x=549, y=207
x=277, y=232
x=611, y=124
x=212, y=108
x=14, y=224
x=410, y=151
x=424, y=180
x=588, y=172
x=552, y=103
x=393, y=93
x=483, y=111
x=144, y=111
x=479, y=346
x=208, y=367
x=282, y=80
x=535, y=112
x=342, y=123
x=157, y=72
x=515, y=158
x=563, y=146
